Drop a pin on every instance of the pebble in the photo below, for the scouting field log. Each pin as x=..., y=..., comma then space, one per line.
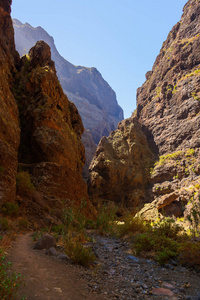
x=57, y=290
x=133, y=258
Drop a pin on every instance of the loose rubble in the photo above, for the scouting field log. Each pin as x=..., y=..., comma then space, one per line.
x=119, y=275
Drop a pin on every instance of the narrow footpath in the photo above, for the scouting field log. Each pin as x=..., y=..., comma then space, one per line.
x=46, y=278
x=116, y=274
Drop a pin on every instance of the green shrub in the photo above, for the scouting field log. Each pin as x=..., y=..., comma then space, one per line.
x=23, y=223
x=190, y=253
x=105, y=219
x=168, y=228
x=79, y=253
x=10, y=209
x=132, y=225
x=4, y=225
x=162, y=247
x=59, y=229
x=194, y=218
x=167, y=157
x=190, y=152
x=160, y=242
x=74, y=217
x=90, y=224
x=23, y=184
x=9, y=282
x=163, y=256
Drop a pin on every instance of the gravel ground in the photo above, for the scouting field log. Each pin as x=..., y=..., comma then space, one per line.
x=119, y=275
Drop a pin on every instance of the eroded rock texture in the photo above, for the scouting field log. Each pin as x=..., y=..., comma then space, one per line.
x=51, y=130
x=49, y=143
x=168, y=109
x=120, y=168
x=168, y=103
x=168, y=106
x=9, y=126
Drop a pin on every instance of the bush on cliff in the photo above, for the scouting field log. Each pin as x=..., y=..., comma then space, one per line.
x=24, y=185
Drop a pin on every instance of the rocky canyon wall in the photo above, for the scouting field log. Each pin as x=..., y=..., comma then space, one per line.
x=168, y=106
x=9, y=124
x=40, y=130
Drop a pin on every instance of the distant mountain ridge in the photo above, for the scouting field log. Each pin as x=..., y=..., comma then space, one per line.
x=85, y=87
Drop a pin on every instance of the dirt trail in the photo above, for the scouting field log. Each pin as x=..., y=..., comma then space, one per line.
x=45, y=277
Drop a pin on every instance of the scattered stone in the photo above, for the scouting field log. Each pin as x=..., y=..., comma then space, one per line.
x=52, y=251
x=63, y=257
x=168, y=286
x=114, y=271
x=45, y=242
x=133, y=258
x=162, y=291
x=57, y=290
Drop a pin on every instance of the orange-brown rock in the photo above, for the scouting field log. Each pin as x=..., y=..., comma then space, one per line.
x=51, y=130
x=119, y=171
x=9, y=125
x=49, y=143
x=85, y=87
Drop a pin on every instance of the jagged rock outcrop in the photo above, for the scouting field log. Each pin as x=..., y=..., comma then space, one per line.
x=120, y=168
x=9, y=125
x=51, y=129
x=168, y=106
x=49, y=143
x=85, y=87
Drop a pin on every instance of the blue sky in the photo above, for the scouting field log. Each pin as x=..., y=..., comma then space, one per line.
x=121, y=38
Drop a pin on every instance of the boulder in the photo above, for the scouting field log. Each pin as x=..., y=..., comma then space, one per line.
x=52, y=251
x=47, y=241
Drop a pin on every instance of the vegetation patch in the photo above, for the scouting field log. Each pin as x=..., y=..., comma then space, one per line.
x=24, y=185
x=80, y=253
x=9, y=209
x=167, y=157
x=9, y=281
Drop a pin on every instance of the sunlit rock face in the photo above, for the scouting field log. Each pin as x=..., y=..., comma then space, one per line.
x=119, y=171
x=85, y=87
x=168, y=102
x=168, y=106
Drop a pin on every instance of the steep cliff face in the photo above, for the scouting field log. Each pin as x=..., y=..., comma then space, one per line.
x=120, y=168
x=168, y=102
x=49, y=143
x=9, y=126
x=85, y=87
x=51, y=129
x=168, y=106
